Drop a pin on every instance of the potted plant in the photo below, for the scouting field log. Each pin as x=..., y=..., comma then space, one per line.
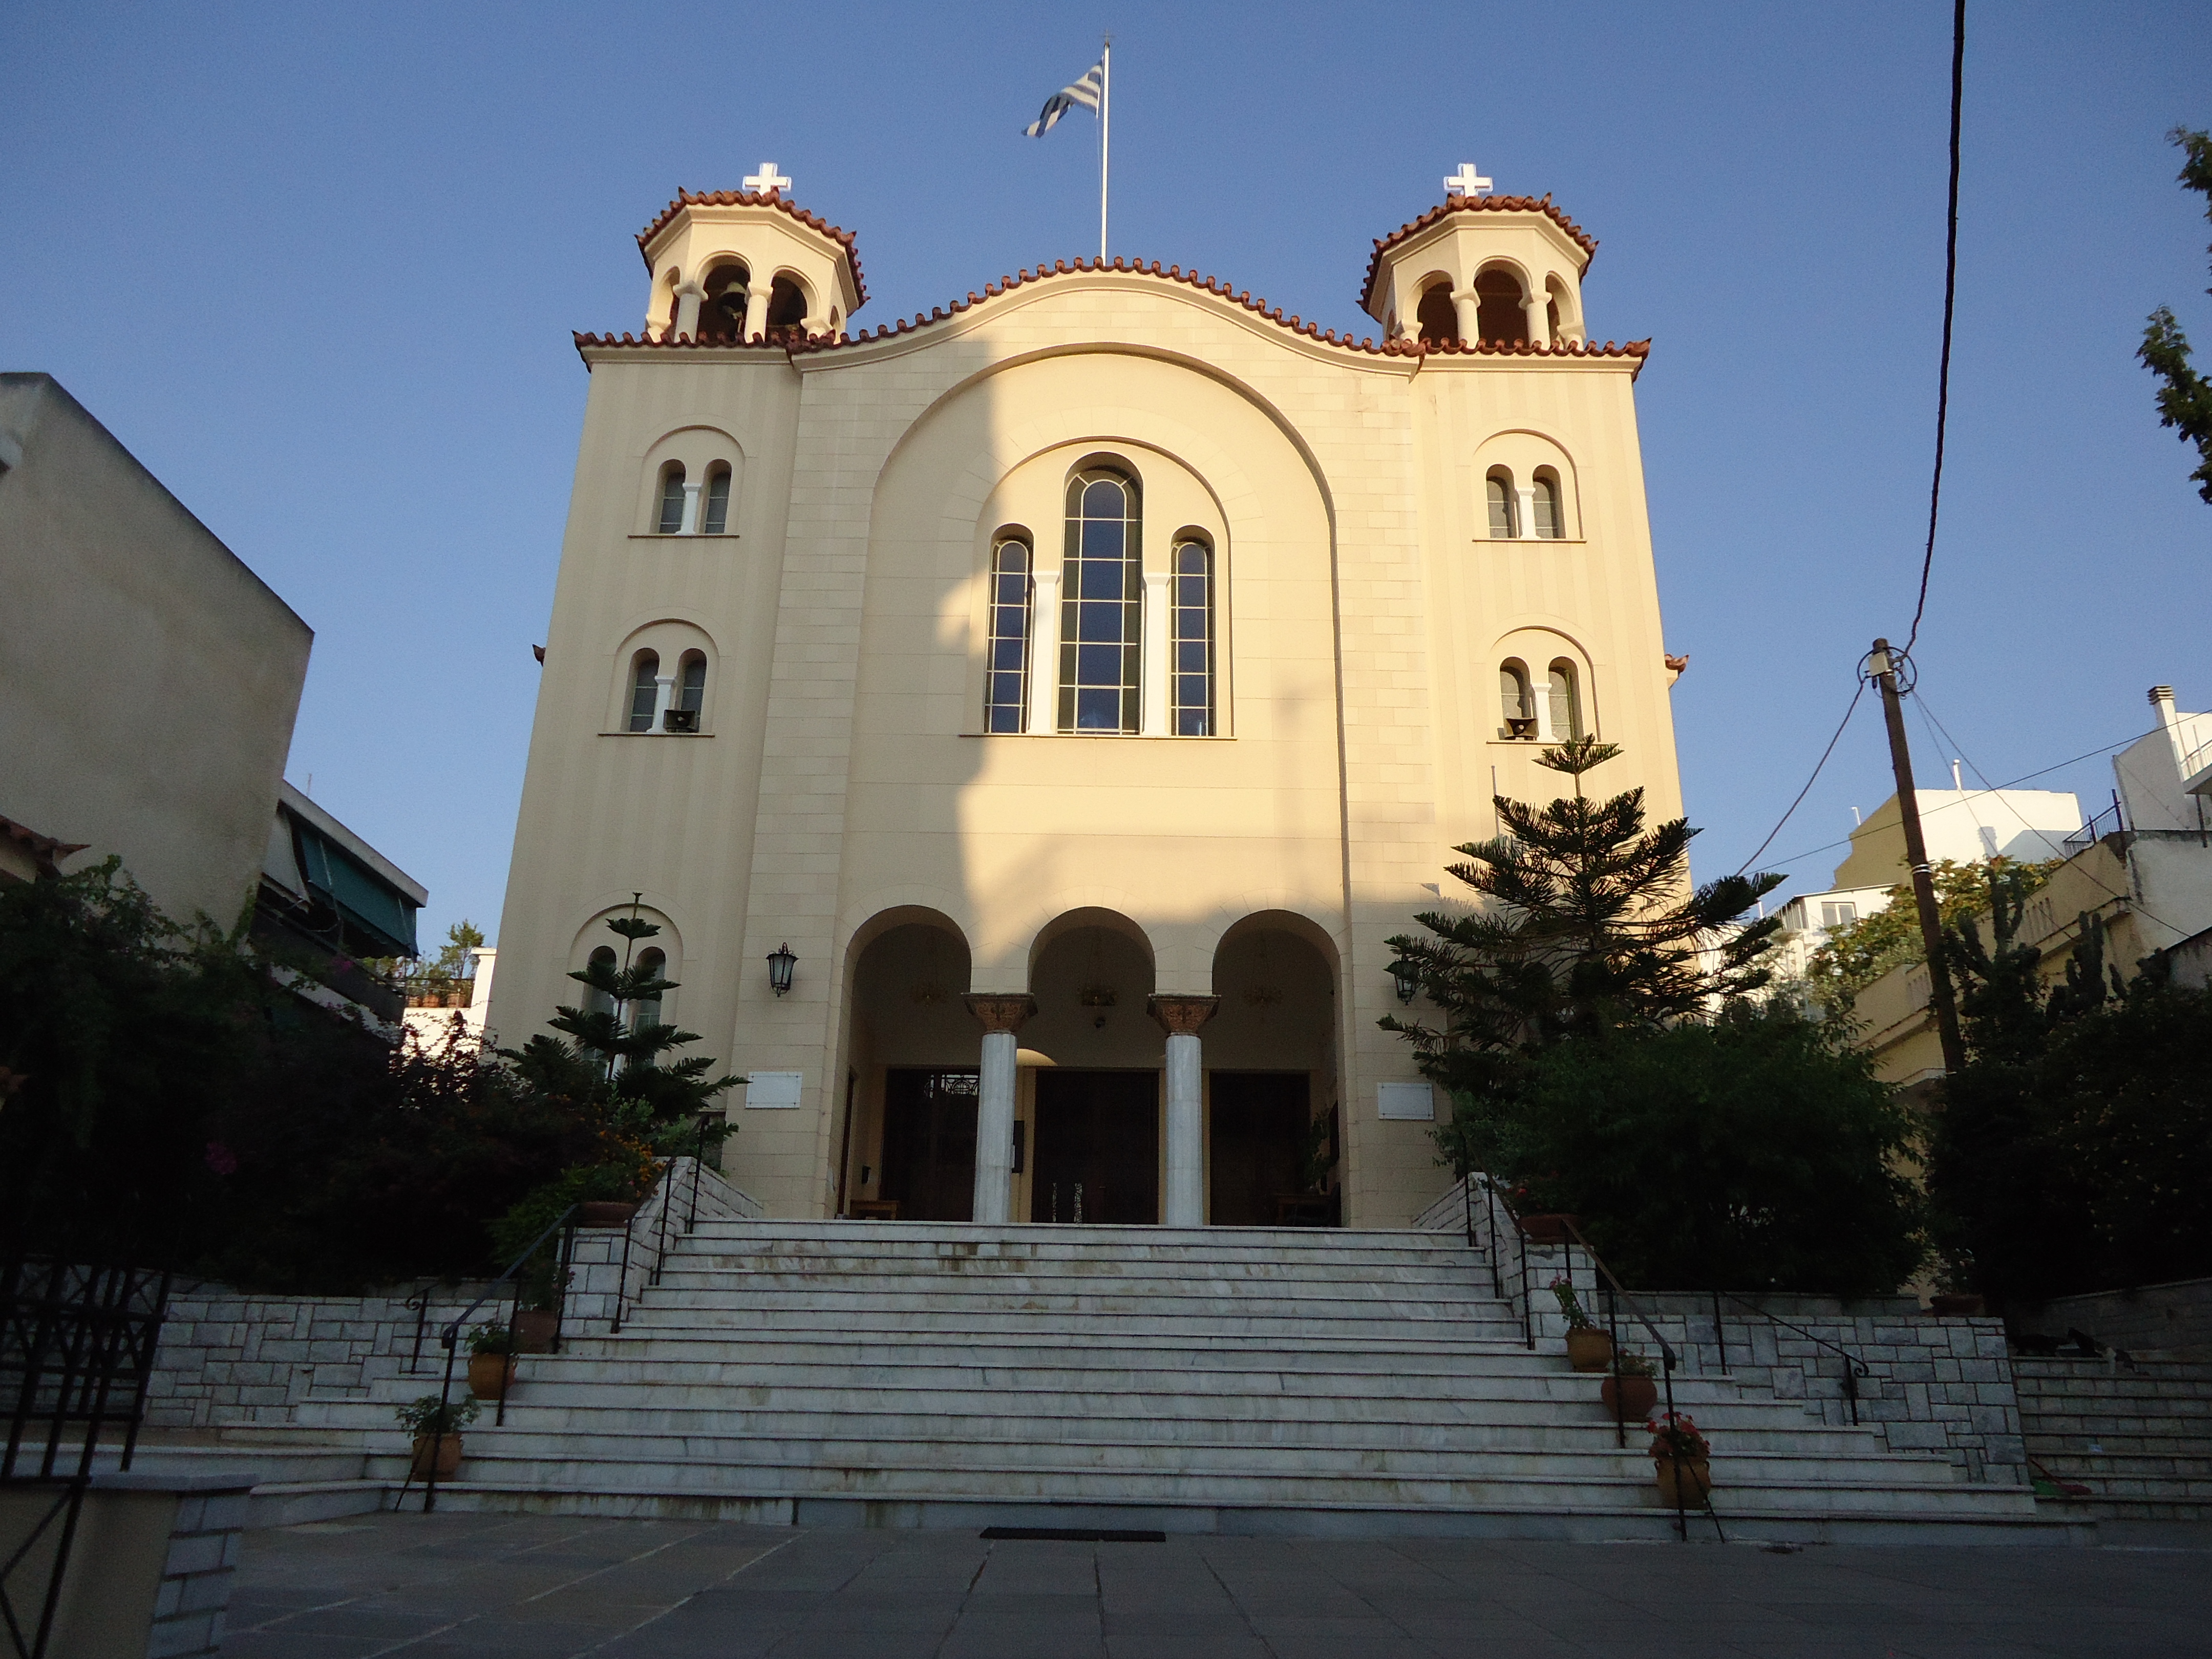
x=1630, y=1392
x=491, y=1361
x=437, y=1425
x=1682, y=1459
x=1588, y=1349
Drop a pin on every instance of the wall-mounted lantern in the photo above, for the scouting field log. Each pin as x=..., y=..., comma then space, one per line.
x=1408, y=977
x=780, y=961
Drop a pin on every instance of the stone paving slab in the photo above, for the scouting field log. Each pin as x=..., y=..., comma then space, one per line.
x=441, y=1586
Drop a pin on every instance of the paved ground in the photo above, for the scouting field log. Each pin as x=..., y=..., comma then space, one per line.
x=549, y=1587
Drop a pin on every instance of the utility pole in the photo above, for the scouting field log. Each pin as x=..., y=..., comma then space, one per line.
x=1886, y=668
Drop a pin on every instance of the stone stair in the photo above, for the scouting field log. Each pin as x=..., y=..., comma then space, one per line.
x=2139, y=1438
x=1248, y=1380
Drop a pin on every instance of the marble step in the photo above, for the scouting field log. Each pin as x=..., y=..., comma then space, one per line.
x=1116, y=1241
x=822, y=1311
x=685, y=1279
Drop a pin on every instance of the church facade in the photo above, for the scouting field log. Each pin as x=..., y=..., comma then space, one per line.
x=1071, y=690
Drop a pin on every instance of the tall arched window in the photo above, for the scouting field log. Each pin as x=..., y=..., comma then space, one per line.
x=1566, y=702
x=1436, y=318
x=1516, y=705
x=1100, y=618
x=1007, y=677
x=690, y=692
x=715, y=520
x=722, y=312
x=644, y=689
x=1191, y=685
x=646, y=1010
x=1546, y=492
x=671, y=499
x=597, y=1001
x=1505, y=507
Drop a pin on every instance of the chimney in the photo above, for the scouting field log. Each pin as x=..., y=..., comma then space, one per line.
x=2161, y=699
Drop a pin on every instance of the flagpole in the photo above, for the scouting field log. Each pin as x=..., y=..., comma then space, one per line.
x=1105, y=133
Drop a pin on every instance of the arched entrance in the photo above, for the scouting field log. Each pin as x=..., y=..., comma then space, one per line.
x=1090, y=1094
x=912, y=1070
x=1273, y=1134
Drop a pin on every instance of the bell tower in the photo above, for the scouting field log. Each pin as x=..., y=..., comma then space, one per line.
x=747, y=266
x=1504, y=270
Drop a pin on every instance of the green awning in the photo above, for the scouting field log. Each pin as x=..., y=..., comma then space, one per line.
x=363, y=897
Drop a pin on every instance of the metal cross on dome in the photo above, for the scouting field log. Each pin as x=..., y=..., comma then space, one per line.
x=1467, y=182
x=769, y=179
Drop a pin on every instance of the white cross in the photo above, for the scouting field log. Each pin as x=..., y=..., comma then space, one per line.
x=1465, y=182
x=769, y=179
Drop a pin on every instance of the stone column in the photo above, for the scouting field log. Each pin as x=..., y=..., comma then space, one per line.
x=1044, y=651
x=1002, y=1016
x=1536, y=310
x=664, y=697
x=686, y=320
x=1468, y=306
x=1155, y=623
x=1183, y=1204
x=756, y=311
x=690, y=524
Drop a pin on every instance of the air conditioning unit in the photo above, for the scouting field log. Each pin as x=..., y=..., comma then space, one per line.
x=679, y=719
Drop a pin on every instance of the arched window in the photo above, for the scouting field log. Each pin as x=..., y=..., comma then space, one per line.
x=1497, y=313
x=1516, y=703
x=1100, y=618
x=722, y=312
x=787, y=304
x=690, y=692
x=1007, y=677
x=646, y=1010
x=1437, y=318
x=597, y=1001
x=1566, y=702
x=671, y=499
x=645, y=690
x=1546, y=492
x=715, y=520
x=1191, y=686
x=1504, y=506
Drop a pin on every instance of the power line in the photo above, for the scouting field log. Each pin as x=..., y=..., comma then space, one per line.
x=1950, y=301
x=1848, y=710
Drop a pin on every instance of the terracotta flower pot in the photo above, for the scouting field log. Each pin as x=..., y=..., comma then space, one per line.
x=1628, y=1399
x=449, y=1455
x=1548, y=1229
x=1588, y=1349
x=490, y=1375
x=604, y=1212
x=1956, y=1303
x=1697, y=1479
x=534, y=1329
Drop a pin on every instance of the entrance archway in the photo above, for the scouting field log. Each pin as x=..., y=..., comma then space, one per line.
x=912, y=1067
x=1090, y=1094
x=1273, y=1133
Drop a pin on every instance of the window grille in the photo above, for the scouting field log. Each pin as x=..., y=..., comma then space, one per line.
x=1101, y=627
x=1006, y=675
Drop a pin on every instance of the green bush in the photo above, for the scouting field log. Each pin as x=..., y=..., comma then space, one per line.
x=1754, y=1152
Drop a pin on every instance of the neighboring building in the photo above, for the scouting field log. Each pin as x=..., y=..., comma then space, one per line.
x=1808, y=919
x=329, y=900
x=2143, y=868
x=1083, y=681
x=148, y=682
x=432, y=1016
x=148, y=679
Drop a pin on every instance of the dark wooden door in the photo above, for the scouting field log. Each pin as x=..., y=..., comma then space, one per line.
x=1101, y=1131
x=929, y=1144
x=1259, y=1123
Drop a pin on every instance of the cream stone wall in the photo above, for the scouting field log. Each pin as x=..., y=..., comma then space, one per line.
x=842, y=783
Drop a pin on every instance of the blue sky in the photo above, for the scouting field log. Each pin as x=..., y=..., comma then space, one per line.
x=317, y=267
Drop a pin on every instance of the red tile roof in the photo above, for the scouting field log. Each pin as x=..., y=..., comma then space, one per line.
x=1474, y=204
x=1636, y=349
x=685, y=198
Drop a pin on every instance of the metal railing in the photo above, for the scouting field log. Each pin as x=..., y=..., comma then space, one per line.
x=1853, y=1367
x=2109, y=822
x=449, y=1338
x=77, y=1346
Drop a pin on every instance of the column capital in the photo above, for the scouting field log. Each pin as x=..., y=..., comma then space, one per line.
x=1182, y=1016
x=1001, y=1012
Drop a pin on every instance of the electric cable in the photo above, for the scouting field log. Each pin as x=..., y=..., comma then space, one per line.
x=1950, y=304
x=1849, y=711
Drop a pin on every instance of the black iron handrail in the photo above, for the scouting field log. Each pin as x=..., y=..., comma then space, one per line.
x=1853, y=1367
x=449, y=1338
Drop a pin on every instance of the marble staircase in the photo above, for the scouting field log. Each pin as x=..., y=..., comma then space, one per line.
x=1289, y=1381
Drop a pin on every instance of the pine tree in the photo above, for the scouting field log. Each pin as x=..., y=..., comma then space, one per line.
x=1589, y=924
x=2184, y=402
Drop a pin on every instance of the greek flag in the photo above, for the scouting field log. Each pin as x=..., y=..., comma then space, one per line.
x=1084, y=92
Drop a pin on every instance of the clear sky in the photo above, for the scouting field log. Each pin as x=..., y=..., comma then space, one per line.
x=317, y=267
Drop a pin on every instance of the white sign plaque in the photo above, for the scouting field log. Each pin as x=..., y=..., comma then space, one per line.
x=1415, y=1102
x=775, y=1090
